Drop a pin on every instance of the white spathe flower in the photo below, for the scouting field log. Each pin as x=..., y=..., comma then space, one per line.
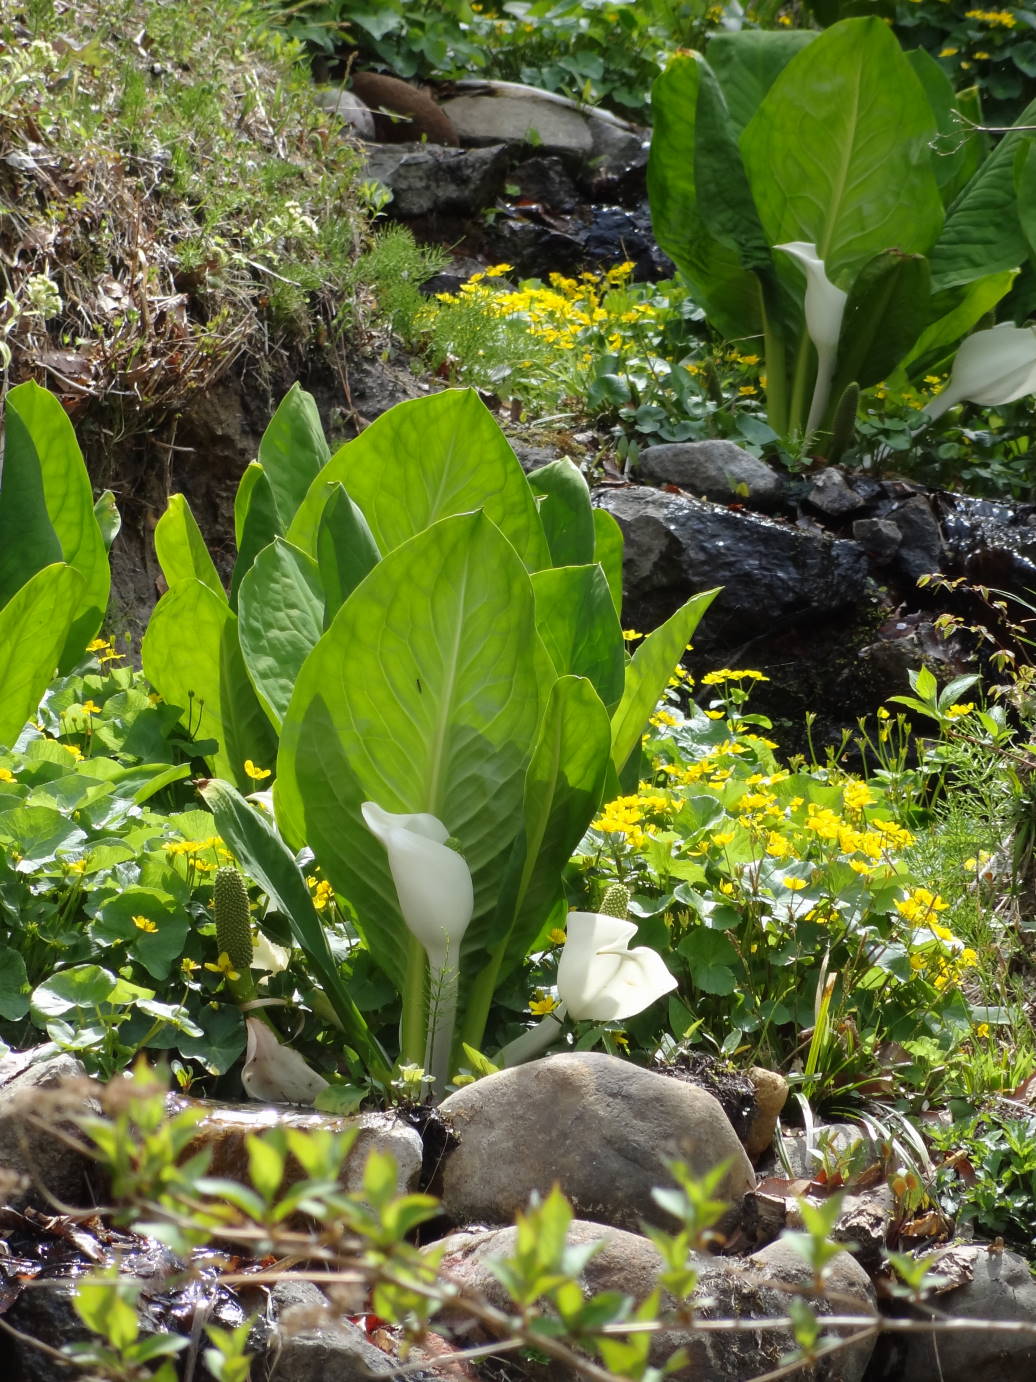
x=824, y=307
x=275, y=1073
x=600, y=978
x=990, y=368
x=271, y=958
x=433, y=882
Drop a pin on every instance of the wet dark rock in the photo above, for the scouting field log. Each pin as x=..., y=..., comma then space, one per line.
x=545, y=180
x=716, y=470
x=879, y=538
x=768, y=571
x=431, y=180
x=990, y=543
x=906, y=642
x=601, y=1128
x=994, y=1286
x=830, y=496
x=921, y=549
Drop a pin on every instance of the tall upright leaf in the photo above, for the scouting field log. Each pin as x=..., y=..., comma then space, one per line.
x=838, y=152
x=646, y=676
x=424, y=695
x=888, y=307
x=564, y=506
x=255, y=522
x=608, y=553
x=345, y=550
x=292, y=451
x=192, y=657
x=580, y=628
x=959, y=150
x=181, y=549
x=747, y=63
x=728, y=292
x=425, y=460
x=34, y=624
x=280, y=617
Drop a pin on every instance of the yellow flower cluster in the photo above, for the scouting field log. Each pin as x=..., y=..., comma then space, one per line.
x=723, y=674
x=627, y=817
x=192, y=850
x=996, y=19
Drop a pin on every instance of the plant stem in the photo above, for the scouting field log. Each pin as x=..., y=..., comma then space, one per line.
x=412, y=1020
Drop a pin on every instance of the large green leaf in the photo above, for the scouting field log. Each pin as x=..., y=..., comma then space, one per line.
x=565, y=512
x=563, y=788
x=192, y=657
x=888, y=307
x=608, y=547
x=724, y=196
x=727, y=291
x=650, y=668
x=181, y=549
x=34, y=625
x=37, y=423
x=983, y=233
x=280, y=617
x=424, y=460
x=28, y=541
x=345, y=550
x=424, y=695
x=580, y=628
x=747, y=64
x=255, y=522
x=1025, y=183
x=837, y=154
x=292, y=451
x=266, y=858
x=958, y=150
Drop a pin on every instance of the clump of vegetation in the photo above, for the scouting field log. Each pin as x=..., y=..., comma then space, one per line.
x=174, y=201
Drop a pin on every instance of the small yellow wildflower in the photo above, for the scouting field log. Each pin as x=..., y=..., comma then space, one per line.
x=996, y=19
x=323, y=895
x=75, y=752
x=223, y=966
x=91, y=708
x=256, y=774
x=715, y=714
x=557, y=936
x=540, y=1007
x=794, y=884
x=145, y=924
x=631, y=635
x=957, y=712
x=948, y=52
x=7, y=776
x=188, y=965
x=856, y=795
x=722, y=838
x=982, y=1030
x=96, y=645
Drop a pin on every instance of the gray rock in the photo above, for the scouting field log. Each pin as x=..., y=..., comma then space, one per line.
x=35, y=1155
x=830, y=496
x=615, y=149
x=433, y=179
x=728, y=1288
x=1000, y=1288
x=863, y=1225
x=921, y=550
x=349, y=109
x=602, y=1128
x=716, y=470
x=879, y=537
x=833, y=1145
x=311, y=1343
x=522, y=116
x=770, y=573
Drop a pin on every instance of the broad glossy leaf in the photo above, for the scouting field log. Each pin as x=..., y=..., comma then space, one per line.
x=747, y=63
x=39, y=833
x=1025, y=182
x=28, y=541
x=957, y=311
x=255, y=522
x=292, y=451
x=724, y=196
x=424, y=695
x=837, y=154
x=728, y=292
x=14, y=985
x=608, y=547
x=280, y=618
x=192, y=657
x=425, y=460
x=564, y=507
x=580, y=628
x=983, y=233
x=181, y=549
x=563, y=788
x=345, y=550
x=34, y=625
x=109, y=520
x=888, y=307
x=117, y=920
x=42, y=425
x=649, y=671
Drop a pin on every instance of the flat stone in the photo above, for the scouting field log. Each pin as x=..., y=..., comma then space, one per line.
x=602, y=1128
x=830, y=496
x=716, y=470
x=526, y=117
x=879, y=537
x=1000, y=1288
x=433, y=179
x=728, y=1288
x=35, y=1108
x=349, y=109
